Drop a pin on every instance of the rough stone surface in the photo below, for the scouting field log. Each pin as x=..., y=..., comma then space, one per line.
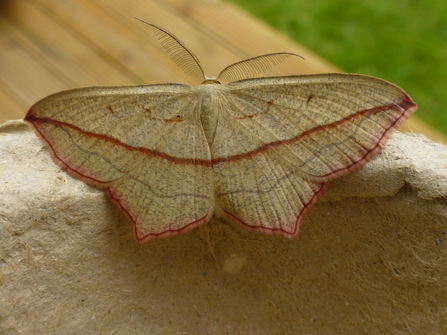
x=370, y=257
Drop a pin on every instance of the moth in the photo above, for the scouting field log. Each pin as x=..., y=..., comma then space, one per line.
x=260, y=151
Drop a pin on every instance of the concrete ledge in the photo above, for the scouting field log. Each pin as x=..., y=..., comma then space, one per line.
x=370, y=257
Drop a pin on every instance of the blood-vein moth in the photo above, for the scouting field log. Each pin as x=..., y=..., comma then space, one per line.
x=260, y=151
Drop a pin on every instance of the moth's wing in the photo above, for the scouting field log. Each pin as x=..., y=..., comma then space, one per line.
x=279, y=140
x=144, y=145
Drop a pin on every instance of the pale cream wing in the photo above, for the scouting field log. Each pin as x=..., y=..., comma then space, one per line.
x=143, y=144
x=256, y=186
x=325, y=124
x=278, y=141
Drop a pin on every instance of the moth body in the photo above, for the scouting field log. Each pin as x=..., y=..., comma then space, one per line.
x=208, y=107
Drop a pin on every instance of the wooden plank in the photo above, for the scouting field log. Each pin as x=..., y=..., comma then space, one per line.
x=22, y=74
x=64, y=52
x=123, y=38
x=9, y=108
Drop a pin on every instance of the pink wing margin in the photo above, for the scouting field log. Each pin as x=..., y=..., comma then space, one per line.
x=312, y=173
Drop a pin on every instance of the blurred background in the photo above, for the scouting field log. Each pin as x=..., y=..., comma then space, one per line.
x=402, y=41
x=50, y=45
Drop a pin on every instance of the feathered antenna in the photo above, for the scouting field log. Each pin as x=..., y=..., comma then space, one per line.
x=181, y=55
x=190, y=64
x=253, y=66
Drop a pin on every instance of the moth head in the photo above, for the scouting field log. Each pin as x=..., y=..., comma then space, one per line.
x=211, y=81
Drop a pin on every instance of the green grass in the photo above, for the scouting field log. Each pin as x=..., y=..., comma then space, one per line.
x=402, y=41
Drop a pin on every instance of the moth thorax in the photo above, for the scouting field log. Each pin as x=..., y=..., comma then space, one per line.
x=209, y=101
